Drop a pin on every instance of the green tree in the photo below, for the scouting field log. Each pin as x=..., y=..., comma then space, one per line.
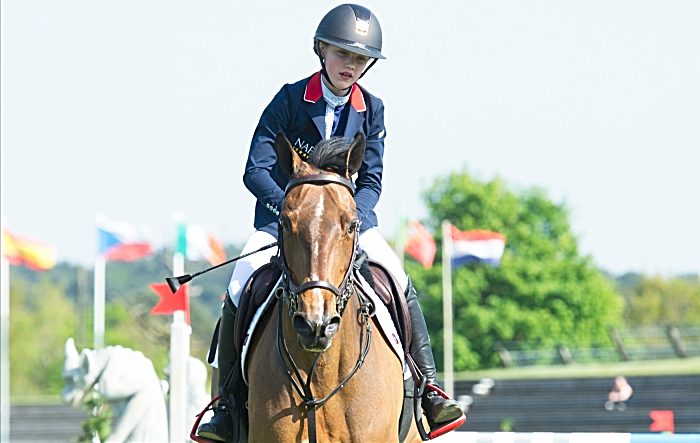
x=544, y=289
x=658, y=301
x=41, y=318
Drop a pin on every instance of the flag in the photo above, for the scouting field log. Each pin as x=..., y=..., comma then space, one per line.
x=476, y=245
x=197, y=244
x=663, y=421
x=21, y=250
x=169, y=302
x=420, y=244
x=122, y=241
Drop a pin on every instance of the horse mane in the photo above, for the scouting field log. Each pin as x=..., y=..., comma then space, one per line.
x=329, y=155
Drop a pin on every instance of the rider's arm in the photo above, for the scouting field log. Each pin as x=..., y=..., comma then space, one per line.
x=262, y=157
x=369, y=178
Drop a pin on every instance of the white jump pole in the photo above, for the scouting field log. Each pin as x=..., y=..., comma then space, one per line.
x=447, y=307
x=180, y=333
x=100, y=283
x=4, y=346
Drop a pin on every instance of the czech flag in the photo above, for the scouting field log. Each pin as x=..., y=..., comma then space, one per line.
x=197, y=244
x=420, y=244
x=122, y=241
x=21, y=250
x=476, y=246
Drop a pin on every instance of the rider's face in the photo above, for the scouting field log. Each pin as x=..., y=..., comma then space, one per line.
x=344, y=67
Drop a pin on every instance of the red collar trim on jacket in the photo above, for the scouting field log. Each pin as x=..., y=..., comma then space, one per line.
x=313, y=93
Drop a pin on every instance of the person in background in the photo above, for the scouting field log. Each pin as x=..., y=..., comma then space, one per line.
x=619, y=397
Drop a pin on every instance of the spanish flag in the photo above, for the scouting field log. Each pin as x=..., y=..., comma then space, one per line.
x=21, y=250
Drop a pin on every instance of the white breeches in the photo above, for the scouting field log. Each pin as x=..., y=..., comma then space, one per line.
x=370, y=241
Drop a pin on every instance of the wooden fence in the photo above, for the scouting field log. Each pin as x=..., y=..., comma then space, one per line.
x=628, y=344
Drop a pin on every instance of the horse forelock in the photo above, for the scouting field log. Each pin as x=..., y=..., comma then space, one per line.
x=330, y=155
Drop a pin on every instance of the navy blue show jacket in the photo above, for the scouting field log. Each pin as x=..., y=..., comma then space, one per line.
x=298, y=110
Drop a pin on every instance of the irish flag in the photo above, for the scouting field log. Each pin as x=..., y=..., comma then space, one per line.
x=22, y=250
x=198, y=244
x=121, y=241
x=476, y=246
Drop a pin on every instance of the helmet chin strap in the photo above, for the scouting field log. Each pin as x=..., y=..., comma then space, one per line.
x=368, y=68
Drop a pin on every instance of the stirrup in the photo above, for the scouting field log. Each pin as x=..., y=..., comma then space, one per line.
x=417, y=412
x=193, y=432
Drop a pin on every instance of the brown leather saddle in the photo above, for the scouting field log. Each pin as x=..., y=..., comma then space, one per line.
x=261, y=283
x=255, y=292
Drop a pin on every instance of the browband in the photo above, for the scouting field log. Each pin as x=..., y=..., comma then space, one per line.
x=319, y=179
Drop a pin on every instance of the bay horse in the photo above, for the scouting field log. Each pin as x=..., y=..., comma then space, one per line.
x=313, y=377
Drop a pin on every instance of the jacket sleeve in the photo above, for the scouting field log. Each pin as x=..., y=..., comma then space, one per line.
x=368, y=184
x=262, y=156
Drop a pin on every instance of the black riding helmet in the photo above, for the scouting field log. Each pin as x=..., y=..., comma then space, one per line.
x=351, y=27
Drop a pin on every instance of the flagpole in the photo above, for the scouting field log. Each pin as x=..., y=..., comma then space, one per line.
x=447, y=306
x=179, y=352
x=100, y=284
x=4, y=345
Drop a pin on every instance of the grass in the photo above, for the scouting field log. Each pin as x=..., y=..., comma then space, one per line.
x=19, y=400
x=679, y=366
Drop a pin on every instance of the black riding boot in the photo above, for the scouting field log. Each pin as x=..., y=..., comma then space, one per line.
x=438, y=409
x=220, y=427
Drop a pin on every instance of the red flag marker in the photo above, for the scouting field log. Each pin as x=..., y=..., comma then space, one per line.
x=420, y=244
x=169, y=302
x=663, y=421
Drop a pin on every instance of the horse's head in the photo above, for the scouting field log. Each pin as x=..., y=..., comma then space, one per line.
x=318, y=231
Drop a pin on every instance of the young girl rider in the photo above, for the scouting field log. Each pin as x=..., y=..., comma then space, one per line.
x=348, y=42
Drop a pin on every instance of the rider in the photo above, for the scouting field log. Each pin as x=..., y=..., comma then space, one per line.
x=348, y=42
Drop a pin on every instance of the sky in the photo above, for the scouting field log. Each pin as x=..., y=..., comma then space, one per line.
x=140, y=109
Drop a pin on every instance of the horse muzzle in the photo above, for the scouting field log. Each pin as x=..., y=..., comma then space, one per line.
x=315, y=336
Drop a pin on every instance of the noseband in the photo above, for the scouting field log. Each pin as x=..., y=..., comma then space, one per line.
x=291, y=290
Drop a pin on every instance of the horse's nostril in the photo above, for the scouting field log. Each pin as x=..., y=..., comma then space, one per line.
x=302, y=326
x=332, y=326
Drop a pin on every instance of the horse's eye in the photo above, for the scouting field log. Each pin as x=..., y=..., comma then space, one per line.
x=353, y=226
x=285, y=224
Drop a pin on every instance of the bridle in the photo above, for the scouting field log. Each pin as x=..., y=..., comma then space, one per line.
x=347, y=286
x=290, y=292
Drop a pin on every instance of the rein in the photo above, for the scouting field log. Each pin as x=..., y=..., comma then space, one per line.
x=290, y=292
x=302, y=387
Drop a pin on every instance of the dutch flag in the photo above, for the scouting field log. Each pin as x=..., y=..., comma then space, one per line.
x=475, y=246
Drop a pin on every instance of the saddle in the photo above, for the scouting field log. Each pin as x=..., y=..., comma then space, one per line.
x=254, y=294
x=389, y=291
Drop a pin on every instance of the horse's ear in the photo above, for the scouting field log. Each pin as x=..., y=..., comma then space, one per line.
x=355, y=154
x=86, y=361
x=289, y=161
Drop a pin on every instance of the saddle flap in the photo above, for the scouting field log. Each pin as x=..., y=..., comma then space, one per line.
x=255, y=292
x=389, y=290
